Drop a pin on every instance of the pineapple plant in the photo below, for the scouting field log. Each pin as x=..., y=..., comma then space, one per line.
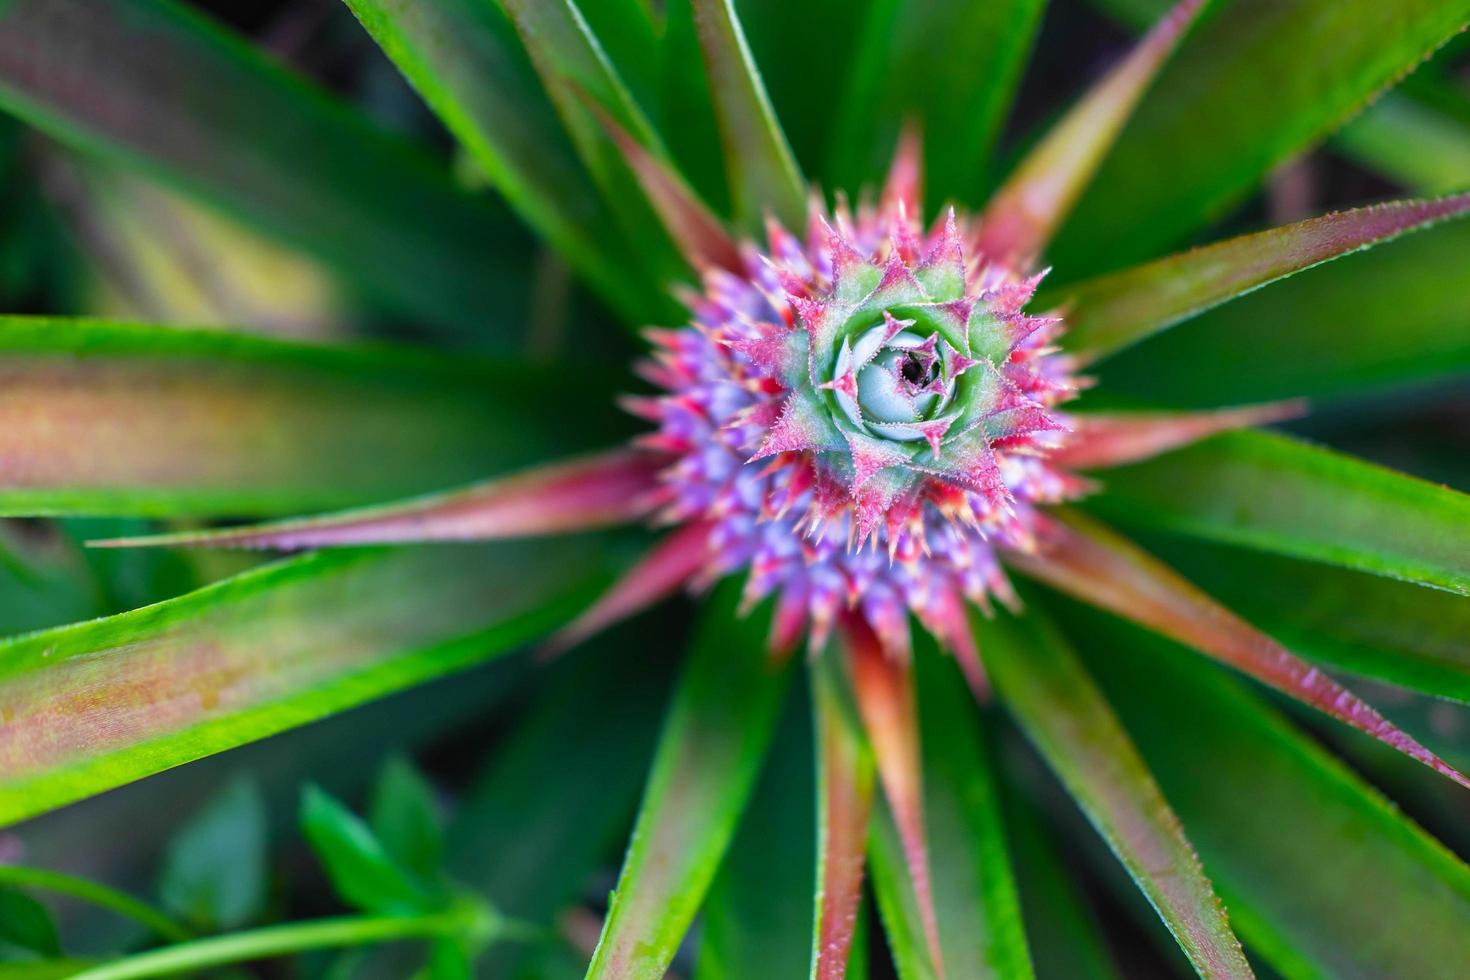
x=957, y=439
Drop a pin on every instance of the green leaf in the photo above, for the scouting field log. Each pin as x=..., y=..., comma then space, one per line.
x=463, y=58
x=406, y=819
x=44, y=969
x=26, y=923
x=1277, y=494
x=1323, y=877
x=260, y=653
x=108, y=418
x=214, y=872
x=844, y=780
x=1418, y=135
x=762, y=172
x=980, y=928
x=898, y=906
x=1364, y=321
x=362, y=872
x=951, y=67
x=1258, y=83
x=1117, y=310
x=757, y=918
x=1063, y=712
x=153, y=86
x=976, y=901
x=714, y=739
x=578, y=76
x=1393, y=631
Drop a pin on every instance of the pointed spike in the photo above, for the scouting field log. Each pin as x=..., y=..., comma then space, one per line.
x=699, y=234
x=580, y=494
x=1105, y=440
x=668, y=566
x=1026, y=211
x=1086, y=560
x=942, y=271
x=885, y=697
x=1113, y=311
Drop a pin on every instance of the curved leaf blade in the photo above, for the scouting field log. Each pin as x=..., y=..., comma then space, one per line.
x=1277, y=494
x=99, y=704
x=153, y=86
x=762, y=171
x=1239, y=100
x=1065, y=715
x=1115, y=311
x=714, y=739
x=118, y=419
x=1418, y=134
x=1291, y=856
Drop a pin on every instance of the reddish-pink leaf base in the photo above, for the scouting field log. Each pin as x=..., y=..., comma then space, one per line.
x=1027, y=210
x=578, y=495
x=1103, y=440
x=1090, y=562
x=846, y=805
x=884, y=687
x=669, y=566
x=701, y=236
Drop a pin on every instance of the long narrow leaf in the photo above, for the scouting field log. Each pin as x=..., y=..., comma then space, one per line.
x=713, y=741
x=1064, y=714
x=1289, y=834
x=845, y=797
x=96, y=705
x=1089, y=562
x=1379, y=318
x=1392, y=631
x=153, y=86
x=1277, y=494
x=1104, y=439
x=762, y=172
x=575, y=71
x=884, y=691
x=558, y=498
x=1021, y=218
x=1114, y=311
x=463, y=58
x=104, y=418
x=975, y=894
x=1239, y=100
